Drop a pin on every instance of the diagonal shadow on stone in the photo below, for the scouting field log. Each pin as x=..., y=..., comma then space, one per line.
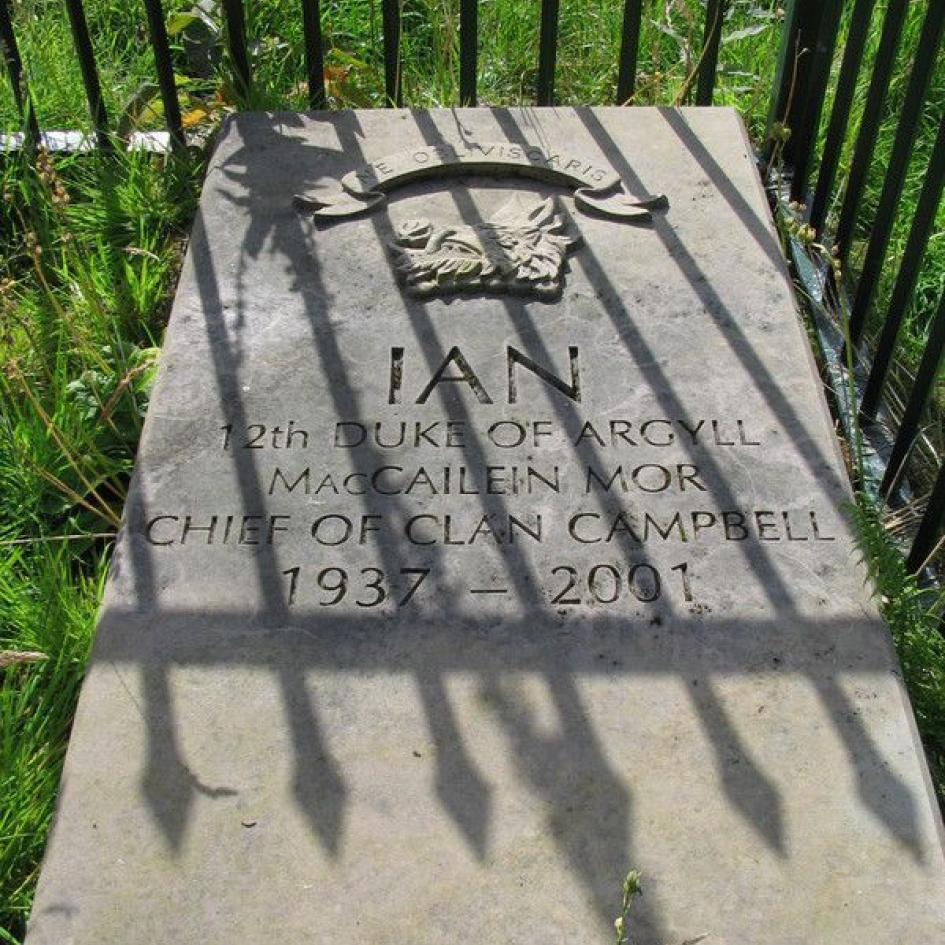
x=168, y=783
x=588, y=807
x=317, y=783
x=751, y=793
x=460, y=787
x=882, y=791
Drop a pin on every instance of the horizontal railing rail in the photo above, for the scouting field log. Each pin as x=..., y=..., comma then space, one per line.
x=809, y=128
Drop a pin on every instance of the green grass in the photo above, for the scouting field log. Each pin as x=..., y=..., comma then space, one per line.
x=51, y=600
x=914, y=614
x=87, y=282
x=508, y=54
x=81, y=310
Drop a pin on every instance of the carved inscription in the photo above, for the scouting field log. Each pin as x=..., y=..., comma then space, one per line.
x=597, y=189
x=610, y=488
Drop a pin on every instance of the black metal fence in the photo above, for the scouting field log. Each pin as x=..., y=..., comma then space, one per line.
x=799, y=97
x=239, y=59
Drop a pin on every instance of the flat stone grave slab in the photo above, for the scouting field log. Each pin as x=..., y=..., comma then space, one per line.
x=488, y=540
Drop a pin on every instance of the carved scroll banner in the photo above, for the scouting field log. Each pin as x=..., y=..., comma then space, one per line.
x=596, y=189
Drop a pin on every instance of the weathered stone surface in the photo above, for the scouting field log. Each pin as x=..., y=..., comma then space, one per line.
x=484, y=761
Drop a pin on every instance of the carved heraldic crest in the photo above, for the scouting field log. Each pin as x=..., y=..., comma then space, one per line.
x=521, y=249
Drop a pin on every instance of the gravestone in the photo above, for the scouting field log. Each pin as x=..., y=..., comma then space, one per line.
x=489, y=539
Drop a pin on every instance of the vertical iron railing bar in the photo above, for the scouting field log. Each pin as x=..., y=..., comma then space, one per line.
x=629, y=50
x=931, y=523
x=235, y=19
x=393, y=84
x=314, y=58
x=781, y=86
x=11, y=53
x=918, y=399
x=922, y=69
x=840, y=113
x=547, y=52
x=468, y=46
x=711, y=40
x=799, y=38
x=86, y=57
x=804, y=134
x=870, y=123
x=165, y=72
x=923, y=223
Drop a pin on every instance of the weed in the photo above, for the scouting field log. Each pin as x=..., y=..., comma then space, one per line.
x=632, y=888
